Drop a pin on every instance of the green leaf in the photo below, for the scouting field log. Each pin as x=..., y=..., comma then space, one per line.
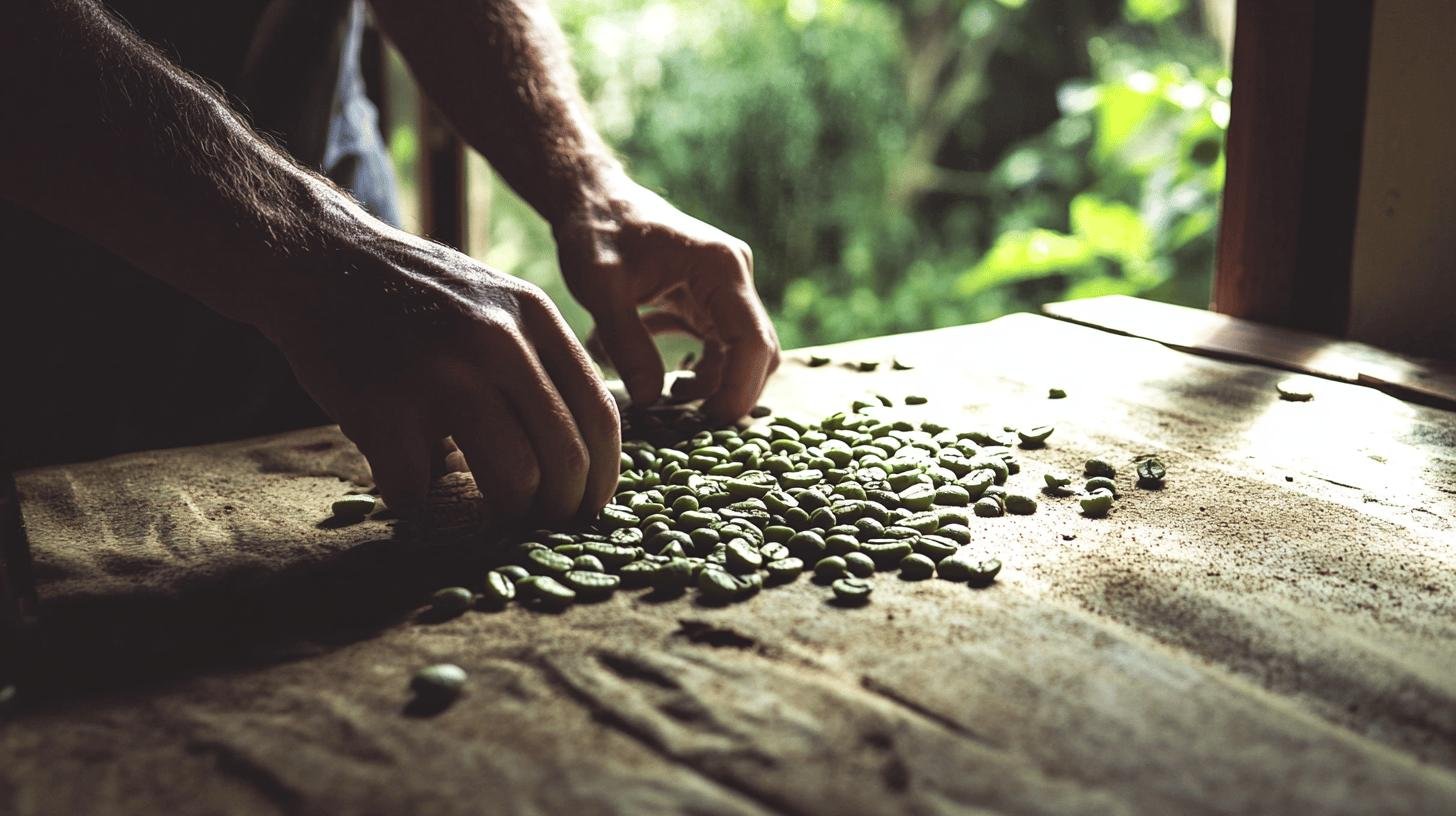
x=1025, y=255
x=1110, y=228
x=1152, y=12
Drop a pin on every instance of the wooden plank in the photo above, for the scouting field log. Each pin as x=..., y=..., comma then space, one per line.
x=1272, y=632
x=1430, y=382
x=1293, y=157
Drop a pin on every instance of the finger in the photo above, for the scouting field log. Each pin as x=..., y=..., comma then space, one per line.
x=445, y=458
x=707, y=374
x=587, y=398
x=630, y=347
x=498, y=453
x=749, y=345
x=659, y=321
x=399, y=458
x=561, y=450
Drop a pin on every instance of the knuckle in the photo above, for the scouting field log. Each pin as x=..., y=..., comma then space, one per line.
x=531, y=296
x=745, y=252
x=573, y=455
x=527, y=479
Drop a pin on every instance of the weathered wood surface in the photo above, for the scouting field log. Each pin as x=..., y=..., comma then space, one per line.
x=1274, y=632
x=1429, y=382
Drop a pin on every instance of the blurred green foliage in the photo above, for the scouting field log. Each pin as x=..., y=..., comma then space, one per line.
x=904, y=164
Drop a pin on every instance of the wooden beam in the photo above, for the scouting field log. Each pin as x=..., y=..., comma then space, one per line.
x=1294, y=139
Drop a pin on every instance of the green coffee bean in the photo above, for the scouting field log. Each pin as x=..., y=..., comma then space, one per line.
x=663, y=540
x=988, y=507
x=815, y=361
x=654, y=519
x=354, y=507
x=439, y=683
x=1151, y=473
x=591, y=585
x=499, y=589
x=903, y=530
x=822, y=519
x=450, y=602
x=915, y=399
x=976, y=482
x=917, y=497
x=916, y=567
x=953, y=495
x=859, y=564
x=684, y=503
x=959, y=533
x=841, y=544
x=587, y=563
x=703, y=539
x=784, y=569
x=778, y=534
x=611, y=555
x=886, y=552
x=1035, y=437
x=693, y=519
x=851, y=590
x=1096, y=504
x=1099, y=467
x=547, y=562
x=829, y=568
x=1293, y=390
x=1018, y=504
x=935, y=548
x=865, y=528
x=742, y=557
x=1101, y=483
x=806, y=544
x=1056, y=393
x=569, y=550
x=954, y=516
x=673, y=576
x=801, y=478
x=514, y=572
x=718, y=586
x=866, y=365
x=900, y=365
x=760, y=411
x=983, y=572
x=638, y=573
x=545, y=591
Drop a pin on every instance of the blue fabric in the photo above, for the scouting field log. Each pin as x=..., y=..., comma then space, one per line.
x=355, y=156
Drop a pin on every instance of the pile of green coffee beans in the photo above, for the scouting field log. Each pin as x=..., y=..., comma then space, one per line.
x=727, y=512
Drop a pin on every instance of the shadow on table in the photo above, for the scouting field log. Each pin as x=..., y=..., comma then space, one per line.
x=242, y=618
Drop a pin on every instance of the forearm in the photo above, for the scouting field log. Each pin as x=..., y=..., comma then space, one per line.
x=114, y=142
x=500, y=72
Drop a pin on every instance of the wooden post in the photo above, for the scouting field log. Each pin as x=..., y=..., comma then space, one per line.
x=1294, y=139
x=442, y=179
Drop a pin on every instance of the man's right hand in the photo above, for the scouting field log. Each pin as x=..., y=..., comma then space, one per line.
x=406, y=343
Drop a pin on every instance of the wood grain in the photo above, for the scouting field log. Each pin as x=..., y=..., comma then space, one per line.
x=1274, y=632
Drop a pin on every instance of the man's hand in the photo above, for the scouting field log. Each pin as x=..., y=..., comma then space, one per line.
x=500, y=71
x=632, y=249
x=413, y=344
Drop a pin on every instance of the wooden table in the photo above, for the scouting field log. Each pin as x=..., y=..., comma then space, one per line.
x=1273, y=632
